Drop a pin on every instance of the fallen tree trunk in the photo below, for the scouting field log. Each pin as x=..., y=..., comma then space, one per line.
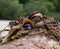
x=17, y=29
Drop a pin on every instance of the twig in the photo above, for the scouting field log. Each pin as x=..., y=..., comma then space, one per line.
x=4, y=29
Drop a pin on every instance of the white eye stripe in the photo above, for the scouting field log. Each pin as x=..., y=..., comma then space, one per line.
x=38, y=14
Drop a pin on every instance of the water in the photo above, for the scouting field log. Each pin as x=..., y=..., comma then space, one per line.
x=3, y=24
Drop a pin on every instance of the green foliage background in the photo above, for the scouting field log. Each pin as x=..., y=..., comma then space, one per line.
x=11, y=9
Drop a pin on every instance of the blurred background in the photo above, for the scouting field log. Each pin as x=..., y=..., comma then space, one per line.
x=11, y=9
